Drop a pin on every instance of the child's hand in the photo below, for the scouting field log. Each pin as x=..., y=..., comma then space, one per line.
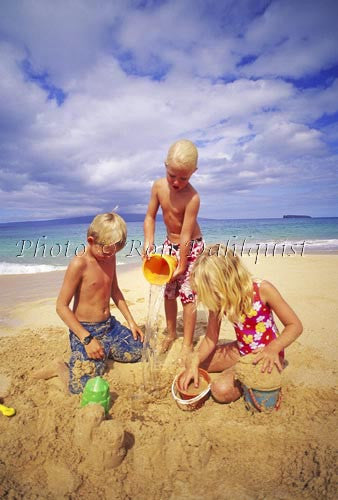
x=136, y=331
x=94, y=349
x=269, y=355
x=146, y=251
x=191, y=371
x=176, y=274
x=187, y=377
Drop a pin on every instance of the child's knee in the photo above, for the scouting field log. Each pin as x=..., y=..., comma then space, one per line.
x=225, y=390
x=130, y=352
x=80, y=371
x=134, y=354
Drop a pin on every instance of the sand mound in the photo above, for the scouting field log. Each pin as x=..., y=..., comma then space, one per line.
x=252, y=376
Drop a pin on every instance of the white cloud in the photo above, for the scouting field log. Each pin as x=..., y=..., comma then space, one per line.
x=293, y=39
x=64, y=38
x=107, y=141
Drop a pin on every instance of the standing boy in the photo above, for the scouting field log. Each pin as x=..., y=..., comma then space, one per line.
x=95, y=335
x=180, y=203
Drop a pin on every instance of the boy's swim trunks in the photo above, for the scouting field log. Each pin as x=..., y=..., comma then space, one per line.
x=181, y=287
x=118, y=344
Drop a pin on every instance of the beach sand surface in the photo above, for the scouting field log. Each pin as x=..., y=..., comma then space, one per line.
x=147, y=447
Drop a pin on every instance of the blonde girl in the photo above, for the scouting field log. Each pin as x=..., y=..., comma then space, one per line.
x=225, y=287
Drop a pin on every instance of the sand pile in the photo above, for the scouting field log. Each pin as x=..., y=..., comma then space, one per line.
x=252, y=376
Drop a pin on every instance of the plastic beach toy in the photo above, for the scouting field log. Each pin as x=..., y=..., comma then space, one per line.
x=190, y=400
x=158, y=269
x=192, y=391
x=96, y=391
x=7, y=411
x=262, y=401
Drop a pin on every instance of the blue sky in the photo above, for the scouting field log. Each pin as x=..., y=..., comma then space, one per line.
x=92, y=94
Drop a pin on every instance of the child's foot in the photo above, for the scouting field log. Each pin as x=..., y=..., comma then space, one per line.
x=57, y=368
x=167, y=343
x=184, y=354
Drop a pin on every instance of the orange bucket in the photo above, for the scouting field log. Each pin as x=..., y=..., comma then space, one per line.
x=192, y=391
x=193, y=398
x=158, y=269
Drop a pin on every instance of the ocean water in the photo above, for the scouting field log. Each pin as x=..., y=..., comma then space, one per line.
x=41, y=246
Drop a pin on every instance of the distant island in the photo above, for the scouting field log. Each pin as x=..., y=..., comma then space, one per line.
x=297, y=217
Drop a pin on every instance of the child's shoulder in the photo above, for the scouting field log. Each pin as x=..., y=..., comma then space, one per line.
x=261, y=284
x=162, y=181
x=78, y=263
x=194, y=191
x=264, y=284
x=260, y=281
x=265, y=289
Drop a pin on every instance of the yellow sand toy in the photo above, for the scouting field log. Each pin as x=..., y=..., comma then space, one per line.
x=7, y=411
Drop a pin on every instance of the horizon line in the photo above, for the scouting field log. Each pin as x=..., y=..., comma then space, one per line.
x=134, y=214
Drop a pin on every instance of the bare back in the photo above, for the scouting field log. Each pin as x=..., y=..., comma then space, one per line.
x=174, y=206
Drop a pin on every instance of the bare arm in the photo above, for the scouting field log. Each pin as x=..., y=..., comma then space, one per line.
x=292, y=327
x=189, y=223
x=207, y=346
x=121, y=304
x=149, y=220
x=71, y=282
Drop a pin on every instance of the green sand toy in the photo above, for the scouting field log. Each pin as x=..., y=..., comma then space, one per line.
x=96, y=391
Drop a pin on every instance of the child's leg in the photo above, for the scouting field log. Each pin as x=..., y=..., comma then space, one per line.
x=225, y=388
x=223, y=357
x=187, y=297
x=181, y=287
x=170, y=307
x=120, y=344
x=189, y=323
x=57, y=368
x=81, y=367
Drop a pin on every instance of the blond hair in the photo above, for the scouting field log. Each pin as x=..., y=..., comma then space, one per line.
x=184, y=154
x=107, y=229
x=222, y=282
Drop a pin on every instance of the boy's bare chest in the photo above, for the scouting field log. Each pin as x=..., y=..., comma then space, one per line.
x=173, y=206
x=99, y=281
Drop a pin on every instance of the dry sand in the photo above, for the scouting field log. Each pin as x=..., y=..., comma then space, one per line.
x=148, y=448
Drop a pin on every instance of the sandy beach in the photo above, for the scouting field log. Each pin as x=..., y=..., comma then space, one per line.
x=147, y=447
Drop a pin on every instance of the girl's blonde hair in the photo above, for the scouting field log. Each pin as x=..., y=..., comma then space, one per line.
x=222, y=282
x=108, y=229
x=183, y=152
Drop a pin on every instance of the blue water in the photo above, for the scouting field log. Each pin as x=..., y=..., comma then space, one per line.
x=37, y=246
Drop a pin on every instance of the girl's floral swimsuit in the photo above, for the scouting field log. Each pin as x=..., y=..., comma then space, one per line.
x=257, y=328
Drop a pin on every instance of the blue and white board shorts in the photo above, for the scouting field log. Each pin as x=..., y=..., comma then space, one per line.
x=118, y=344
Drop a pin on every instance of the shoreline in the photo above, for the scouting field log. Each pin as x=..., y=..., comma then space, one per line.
x=248, y=254
x=42, y=280
x=243, y=247
x=24, y=296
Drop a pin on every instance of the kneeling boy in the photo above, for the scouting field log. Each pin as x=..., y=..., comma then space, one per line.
x=95, y=335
